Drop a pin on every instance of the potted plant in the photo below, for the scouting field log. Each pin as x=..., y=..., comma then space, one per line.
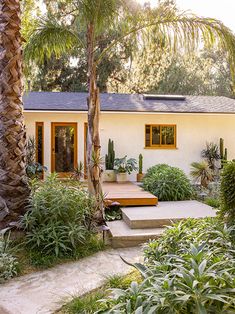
x=124, y=166
x=140, y=175
x=110, y=175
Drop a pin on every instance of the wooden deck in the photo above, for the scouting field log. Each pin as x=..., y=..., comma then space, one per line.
x=128, y=194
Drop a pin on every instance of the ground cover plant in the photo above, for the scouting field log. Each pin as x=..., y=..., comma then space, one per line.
x=190, y=269
x=167, y=183
x=91, y=303
x=8, y=262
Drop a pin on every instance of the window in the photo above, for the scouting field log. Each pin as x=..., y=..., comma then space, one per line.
x=160, y=136
x=39, y=142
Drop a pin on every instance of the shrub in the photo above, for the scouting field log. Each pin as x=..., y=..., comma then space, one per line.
x=8, y=263
x=228, y=191
x=213, y=202
x=167, y=183
x=59, y=217
x=190, y=269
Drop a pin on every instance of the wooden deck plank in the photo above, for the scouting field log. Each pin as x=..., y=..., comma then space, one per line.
x=129, y=194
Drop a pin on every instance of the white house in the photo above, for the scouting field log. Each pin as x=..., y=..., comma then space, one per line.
x=164, y=129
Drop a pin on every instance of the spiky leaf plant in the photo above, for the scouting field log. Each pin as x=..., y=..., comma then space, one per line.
x=201, y=171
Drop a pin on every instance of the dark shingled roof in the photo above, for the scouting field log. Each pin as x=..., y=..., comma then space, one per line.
x=63, y=101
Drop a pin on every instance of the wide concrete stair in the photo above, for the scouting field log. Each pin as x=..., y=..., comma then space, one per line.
x=141, y=224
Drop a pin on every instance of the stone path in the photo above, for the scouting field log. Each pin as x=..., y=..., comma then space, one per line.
x=44, y=292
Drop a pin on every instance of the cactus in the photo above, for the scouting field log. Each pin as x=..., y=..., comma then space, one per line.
x=221, y=146
x=223, y=153
x=140, y=163
x=109, y=158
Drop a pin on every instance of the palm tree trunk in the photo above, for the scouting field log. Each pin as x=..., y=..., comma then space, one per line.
x=13, y=184
x=93, y=136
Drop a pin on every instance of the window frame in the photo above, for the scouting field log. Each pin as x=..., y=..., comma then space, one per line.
x=39, y=124
x=161, y=146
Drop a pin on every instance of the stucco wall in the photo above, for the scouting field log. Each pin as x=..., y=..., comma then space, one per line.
x=128, y=132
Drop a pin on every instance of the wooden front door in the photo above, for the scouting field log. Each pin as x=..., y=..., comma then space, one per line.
x=63, y=148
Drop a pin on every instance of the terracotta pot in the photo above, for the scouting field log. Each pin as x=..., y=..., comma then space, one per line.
x=109, y=176
x=121, y=177
x=140, y=177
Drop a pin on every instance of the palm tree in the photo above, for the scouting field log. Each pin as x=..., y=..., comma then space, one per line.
x=13, y=185
x=91, y=19
x=201, y=170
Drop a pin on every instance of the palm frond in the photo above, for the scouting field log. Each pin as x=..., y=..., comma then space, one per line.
x=180, y=30
x=99, y=13
x=50, y=38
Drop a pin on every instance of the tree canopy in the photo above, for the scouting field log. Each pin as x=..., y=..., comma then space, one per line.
x=142, y=62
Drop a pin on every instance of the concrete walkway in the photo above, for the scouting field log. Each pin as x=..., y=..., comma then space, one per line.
x=44, y=292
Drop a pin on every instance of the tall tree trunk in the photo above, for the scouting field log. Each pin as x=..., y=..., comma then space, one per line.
x=13, y=185
x=93, y=137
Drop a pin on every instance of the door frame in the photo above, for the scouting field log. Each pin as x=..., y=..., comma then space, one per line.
x=53, y=125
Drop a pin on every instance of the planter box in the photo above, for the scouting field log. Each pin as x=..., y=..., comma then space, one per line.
x=109, y=176
x=121, y=177
x=140, y=177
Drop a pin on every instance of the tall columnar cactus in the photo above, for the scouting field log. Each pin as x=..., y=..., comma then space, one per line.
x=109, y=158
x=140, y=163
x=223, y=153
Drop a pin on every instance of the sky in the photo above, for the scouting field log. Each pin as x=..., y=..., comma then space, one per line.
x=223, y=10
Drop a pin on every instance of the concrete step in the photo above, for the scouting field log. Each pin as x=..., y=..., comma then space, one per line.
x=123, y=236
x=165, y=214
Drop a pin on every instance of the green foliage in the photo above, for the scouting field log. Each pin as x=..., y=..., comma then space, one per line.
x=204, y=73
x=167, y=183
x=201, y=170
x=213, y=202
x=116, y=23
x=8, y=262
x=110, y=157
x=78, y=172
x=87, y=304
x=113, y=214
x=211, y=154
x=228, y=191
x=91, y=303
x=140, y=164
x=33, y=169
x=190, y=269
x=59, y=217
x=124, y=165
x=40, y=260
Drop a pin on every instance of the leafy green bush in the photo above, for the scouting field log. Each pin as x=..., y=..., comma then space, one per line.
x=190, y=269
x=59, y=217
x=167, y=183
x=8, y=263
x=228, y=191
x=213, y=202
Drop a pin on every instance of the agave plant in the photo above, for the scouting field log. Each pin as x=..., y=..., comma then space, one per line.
x=78, y=172
x=201, y=170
